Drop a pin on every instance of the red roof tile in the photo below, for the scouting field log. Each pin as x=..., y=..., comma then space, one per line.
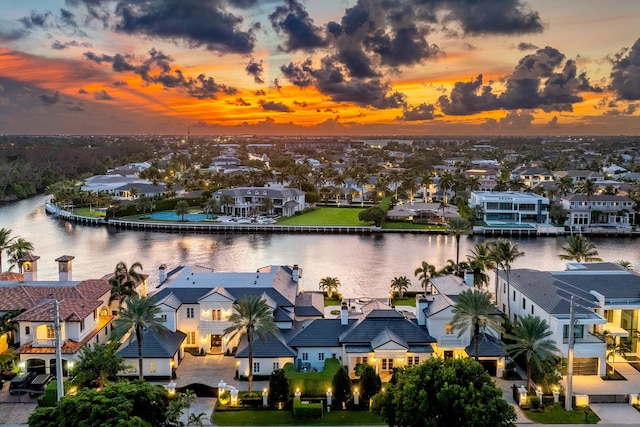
x=71, y=310
x=10, y=276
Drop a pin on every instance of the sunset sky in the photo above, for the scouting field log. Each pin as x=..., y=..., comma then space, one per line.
x=360, y=67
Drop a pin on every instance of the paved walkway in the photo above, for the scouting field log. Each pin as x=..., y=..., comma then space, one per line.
x=210, y=370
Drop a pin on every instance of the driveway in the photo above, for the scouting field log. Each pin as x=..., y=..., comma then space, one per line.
x=616, y=413
x=210, y=370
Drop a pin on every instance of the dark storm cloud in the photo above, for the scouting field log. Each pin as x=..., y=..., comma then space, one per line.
x=357, y=63
x=65, y=22
x=37, y=20
x=418, y=113
x=407, y=46
x=517, y=119
x=480, y=17
x=197, y=22
x=12, y=35
x=300, y=74
x=58, y=45
x=628, y=111
x=83, y=91
x=274, y=106
x=156, y=68
x=300, y=32
x=260, y=92
x=527, y=46
x=118, y=83
x=585, y=85
x=542, y=80
x=50, y=99
x=239, y=102
x=625, y=73
x=302, y=104
x=102, y=95
x=255, y=69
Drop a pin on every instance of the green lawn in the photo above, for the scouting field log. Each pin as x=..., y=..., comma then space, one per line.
x=285, y=418
x=88, y=213
x=557, y=415
x=410, y=301
x=328, y=302
x=326, y=216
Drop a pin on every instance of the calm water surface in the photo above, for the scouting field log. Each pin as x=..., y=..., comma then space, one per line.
x=365, y=264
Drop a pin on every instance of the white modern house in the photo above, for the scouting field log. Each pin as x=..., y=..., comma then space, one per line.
x=607, y=298
x=510, y=207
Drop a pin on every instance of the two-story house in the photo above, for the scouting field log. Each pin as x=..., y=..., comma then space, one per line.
x=510, y=207
x=606, y=298
x=598, y=210
x=248, y=201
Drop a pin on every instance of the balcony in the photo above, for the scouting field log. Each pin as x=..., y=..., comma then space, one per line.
x=44, y=342
x=449, y=341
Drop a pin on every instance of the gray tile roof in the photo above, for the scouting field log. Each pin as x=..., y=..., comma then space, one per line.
x=420, y=349
x=438, y=303
x=280, y=315
x=154, y=345
x=488, y=346
x=220, y=291
x=365, y=330
x=385, y=336
x=309, y=304
x=320, y=333
x=358, y=349
x=193, y=295
x=170, y=300
x=449, y=284
x=272, y=346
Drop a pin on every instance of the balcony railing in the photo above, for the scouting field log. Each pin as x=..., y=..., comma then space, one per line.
x=44, y=342
x=448, y=341
x=217, y=325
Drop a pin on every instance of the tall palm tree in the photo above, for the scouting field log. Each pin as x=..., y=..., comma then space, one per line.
x=395, y=178
x=588, y=188
x=254, y=318
x=144, y=204
x=18, y=249
x=400, y=285
x=227, y=200
x=446, y=183
x=481, y=258
x=458, y=226
x=5, y=242
x=425, y=272
x=141, y=315
x=504, y=253
x=329, y=285
x=564, y=185
x=124, y=281
x=474, y=311
x=361, y=179
x=578, y=248
x=182, y=208
x=211, y=206
x=531, y=339
x=268, y=205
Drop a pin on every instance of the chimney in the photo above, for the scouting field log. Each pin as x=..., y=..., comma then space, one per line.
x=468, y=277
x=64, y=268
x=29, y=265
x=422, y=302
x=295, y=275
x=344, y=314
x=162, y=272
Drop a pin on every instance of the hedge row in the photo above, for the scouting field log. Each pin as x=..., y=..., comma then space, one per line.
x=311, y=383
x=306, y=410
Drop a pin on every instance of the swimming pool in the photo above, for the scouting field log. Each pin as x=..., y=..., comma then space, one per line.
x=172, y=216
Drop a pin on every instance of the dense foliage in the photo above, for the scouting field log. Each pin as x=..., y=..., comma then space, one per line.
x=119, y=404
x=439, y=393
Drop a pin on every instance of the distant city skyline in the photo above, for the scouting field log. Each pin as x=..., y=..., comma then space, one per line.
x=323, y=67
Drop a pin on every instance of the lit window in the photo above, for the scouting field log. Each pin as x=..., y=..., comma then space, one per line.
x=216, y=315
x=191, y=338
x=152, y=367
x=449, y=329
x=51, y=333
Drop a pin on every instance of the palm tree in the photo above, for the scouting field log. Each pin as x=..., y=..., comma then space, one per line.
x=482, y=260
x=5, y=242
x=578, y=248
x=141, y=315
x=503, y=252
x=124, y=281
x=588, y=188
x=474, y=311
x=446, y=184
x=227, y=200
x=425, y=272
x=458, y=226
x=400, y=285
x=329, y=285
x=18, y=249
x=134, y=192
x=427, y=180
x=625, y=264
x=254, y=318
x=268, y=205
x=182, y=208
x=211, y=206
x=361, y=179
x=144, y=203
x=564, y=185
x=395, y=178
x=531, y=339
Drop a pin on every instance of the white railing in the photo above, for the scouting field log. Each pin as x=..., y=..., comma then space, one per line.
x=448, y=341
x=214, y=324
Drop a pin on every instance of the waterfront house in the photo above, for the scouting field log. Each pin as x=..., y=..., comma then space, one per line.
x=510, y=207
x=606, y=296
x=578, y=176
x=531, y=176
x=248, y=201
x=598, y=210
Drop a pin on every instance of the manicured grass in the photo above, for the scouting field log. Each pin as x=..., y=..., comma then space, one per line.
x=557, y=415
x=328, y=302
x=326, y=216
x=88, y=213
x=410, y=301
x=285, y=418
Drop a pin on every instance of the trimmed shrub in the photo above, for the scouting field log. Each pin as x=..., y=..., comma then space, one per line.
x=312, y=383
x=534, y=403
x=306, y=410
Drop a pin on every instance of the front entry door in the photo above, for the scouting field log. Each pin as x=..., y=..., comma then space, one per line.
x=216, y=344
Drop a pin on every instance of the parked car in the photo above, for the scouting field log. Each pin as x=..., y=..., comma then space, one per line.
x=39, y=383
x=20, y=383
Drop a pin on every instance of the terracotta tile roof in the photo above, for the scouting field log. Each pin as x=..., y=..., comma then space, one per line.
x=94, y=288
x=71, y=310
x=10, y=276
x=69, y=346
x=15, y=298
